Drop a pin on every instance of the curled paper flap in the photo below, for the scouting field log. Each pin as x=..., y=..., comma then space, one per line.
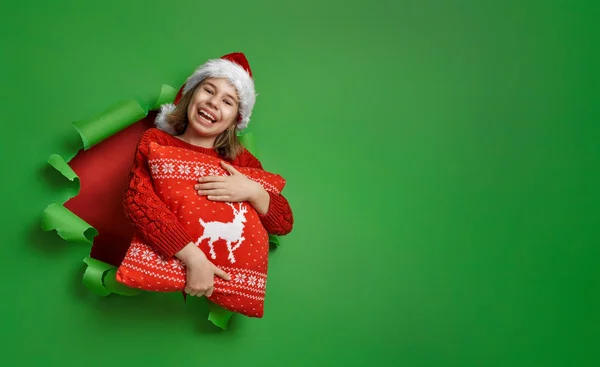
x=108, y=123
x=63, y=167
x=167, y=95
x=100, y=278
x=274, y=240
x=218, y=315
x=68, y=225
x=111, y=284
x=94, y=274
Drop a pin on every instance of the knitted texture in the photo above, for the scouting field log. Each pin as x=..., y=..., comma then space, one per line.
x=157, y=225
x=230, y=234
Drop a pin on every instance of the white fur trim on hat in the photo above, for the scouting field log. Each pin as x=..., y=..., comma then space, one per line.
x=161, y=118
x=222, y=68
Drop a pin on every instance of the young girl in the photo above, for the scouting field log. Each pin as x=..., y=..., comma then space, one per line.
x=215, y=102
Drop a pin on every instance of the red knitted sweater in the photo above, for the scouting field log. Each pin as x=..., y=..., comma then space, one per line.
x=157, y=224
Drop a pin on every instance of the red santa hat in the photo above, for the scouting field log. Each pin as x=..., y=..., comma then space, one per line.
x=233, y=67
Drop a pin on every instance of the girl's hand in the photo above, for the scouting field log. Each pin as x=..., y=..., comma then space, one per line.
x=200, y=272
x=233, y=188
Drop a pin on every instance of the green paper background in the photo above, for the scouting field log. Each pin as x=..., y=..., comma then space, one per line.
x=442, y=161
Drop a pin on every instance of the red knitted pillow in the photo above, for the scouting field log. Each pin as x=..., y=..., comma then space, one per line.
x=230, y=234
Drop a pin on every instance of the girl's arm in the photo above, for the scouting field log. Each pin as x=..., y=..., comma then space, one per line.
x=273, y=209
x=149, y=215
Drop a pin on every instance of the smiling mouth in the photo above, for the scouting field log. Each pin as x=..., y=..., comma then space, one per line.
x=206, y=116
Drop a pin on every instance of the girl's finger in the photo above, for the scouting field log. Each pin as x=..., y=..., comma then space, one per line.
x=213, y=192
x=211, y=185
x=212, y=179
x=218, y=197
x=229, y=168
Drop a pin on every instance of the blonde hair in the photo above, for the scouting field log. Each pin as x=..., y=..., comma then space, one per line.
x=227, y=143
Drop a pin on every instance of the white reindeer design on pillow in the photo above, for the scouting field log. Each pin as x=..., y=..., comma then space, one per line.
x=231, y=232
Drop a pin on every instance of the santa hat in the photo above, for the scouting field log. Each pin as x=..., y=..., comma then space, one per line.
x=235, y=68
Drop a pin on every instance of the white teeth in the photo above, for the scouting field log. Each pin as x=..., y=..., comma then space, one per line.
x=208, y=115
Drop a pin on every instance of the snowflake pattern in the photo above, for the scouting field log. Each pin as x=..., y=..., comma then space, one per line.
x=168, y=168
x=214, y=172
x=199, y=171
x=190, y=170
x=177, y=265
x=261, y=283
x=184, y=169
x=161, y=261
x=240, y=278
x=149, y=270
x=147, y=255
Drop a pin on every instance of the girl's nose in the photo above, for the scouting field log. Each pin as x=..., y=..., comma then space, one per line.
x=213, y=102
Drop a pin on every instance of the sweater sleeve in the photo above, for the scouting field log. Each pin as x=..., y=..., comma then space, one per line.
x=279, y=219
x=150, y=216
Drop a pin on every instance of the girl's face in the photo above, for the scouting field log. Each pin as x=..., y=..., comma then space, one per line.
x=213, y=108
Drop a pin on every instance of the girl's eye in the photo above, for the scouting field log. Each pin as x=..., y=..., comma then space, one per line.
x=208, y=90
x=227, y=102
